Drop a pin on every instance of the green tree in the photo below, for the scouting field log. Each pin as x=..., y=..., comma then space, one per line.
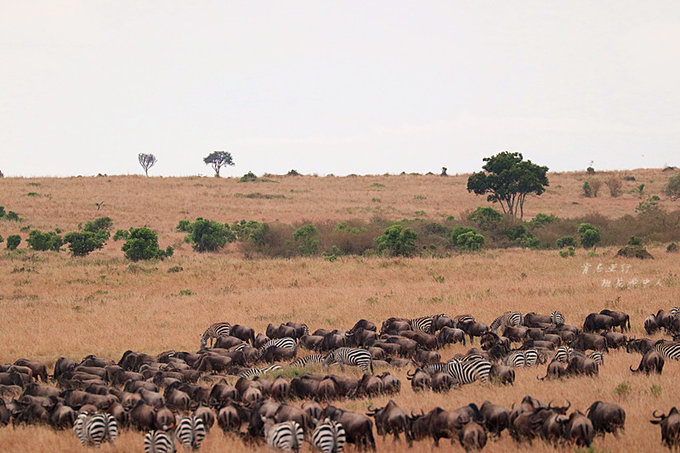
x=218, y=159
x=508, y=179
x=102, y=225
x=208, y=235
x=470, y=241
x=142, y=244
x=13, y=241
x=146, y=161
x=81, y=243
x=397, y=240
x=307, y=236
x=590, y=235
x=37, y=240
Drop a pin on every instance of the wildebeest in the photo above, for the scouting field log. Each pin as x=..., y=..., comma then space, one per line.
x=497, y=418
x=579, y=429
x=358, y=427
x=652, y=362
x=621, y=319
x=670, y=427
x=595, y=322
x=606, y=417
x=390, y=419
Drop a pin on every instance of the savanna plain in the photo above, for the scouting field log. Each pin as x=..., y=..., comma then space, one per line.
x=53, y=305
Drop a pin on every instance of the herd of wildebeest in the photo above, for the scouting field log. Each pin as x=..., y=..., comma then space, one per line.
x=237, y=381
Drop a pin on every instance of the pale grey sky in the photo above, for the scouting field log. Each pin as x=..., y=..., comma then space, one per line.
x=336, y=86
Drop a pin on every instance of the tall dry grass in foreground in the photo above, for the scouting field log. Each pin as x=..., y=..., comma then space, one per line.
x=53, y=305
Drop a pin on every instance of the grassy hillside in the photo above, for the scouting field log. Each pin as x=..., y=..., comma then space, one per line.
x=54, y=305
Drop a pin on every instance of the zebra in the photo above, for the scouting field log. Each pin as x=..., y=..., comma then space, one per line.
x=190, y=432
x=219, y=329
x=511, y=318
x=433, y=368
x=598, y=357
x=669, y=350
x=557, y=318
x=159, y=442
x=350, y=356
x=329, y=437
x=674, y=311
x=527, y=358
x=467, y=372
x=252, y=372
x=285, y=342
x=423, y=324
x=307, y=360
x=563, y=354
x=284, y=436
x=95, y=429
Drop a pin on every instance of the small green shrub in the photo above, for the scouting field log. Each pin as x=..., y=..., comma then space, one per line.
x=486, y=218
x=307, y=239
x=37, y=240
x=587, y=190
x=208, y=235
x=293, y=173
x=590, y=170
x=100, y=224
x=13, y=216
x=655, y=390
x=567, y=253
x=397, y=241
x=623, y=389
x=2, y=212
x=13, y=241
x=2, y=239
x=635, y=241
x=672, y=189
x=81, y=243
x=142, y=244
x=543, y=219
x=185, y=292
x=184, y=226
x=590, y=235
x=121, y=235
x=566, y=241
x=671, y=248
x=250, y=176
x=32, y=194
x=175, y=269
x=470, y=241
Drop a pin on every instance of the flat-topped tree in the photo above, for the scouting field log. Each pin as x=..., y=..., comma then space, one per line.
x=218, y=159
x=508, y=179
x=147, y=161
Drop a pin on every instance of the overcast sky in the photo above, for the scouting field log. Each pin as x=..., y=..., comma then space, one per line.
x=366, y=87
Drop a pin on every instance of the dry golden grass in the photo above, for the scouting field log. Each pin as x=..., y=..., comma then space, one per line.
x=53, y=305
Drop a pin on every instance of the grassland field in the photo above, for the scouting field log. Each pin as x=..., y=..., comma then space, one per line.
x=53, y=305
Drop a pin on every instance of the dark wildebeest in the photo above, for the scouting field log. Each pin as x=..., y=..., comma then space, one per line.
x=651, y=362
x=595, y=322
x=670, y=427
x=497, y=417
x=621, y=319
x=390, y=419
x=579, y=430
x=606, y=417
x=651, y=326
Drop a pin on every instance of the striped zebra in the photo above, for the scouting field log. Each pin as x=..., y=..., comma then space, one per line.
x=563, y=354
x=285, y=342
x=212, y=333
x=433, y=368
x=557, y=318
x=307, y=360
x=511, y=318
x=284, y=436
x=423, y=324
x=95, y=429
x=159, y=442
x=669, y=350
x=674, y=311
x=190, y=432
x=329, y=437
x=598, y=357
x=252, y=372
x=350, y=356
x=467, y=372
x=527, y=358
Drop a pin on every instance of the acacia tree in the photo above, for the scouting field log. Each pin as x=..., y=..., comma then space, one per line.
x=146, y=161
x=218, y=159
x=508, y=179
